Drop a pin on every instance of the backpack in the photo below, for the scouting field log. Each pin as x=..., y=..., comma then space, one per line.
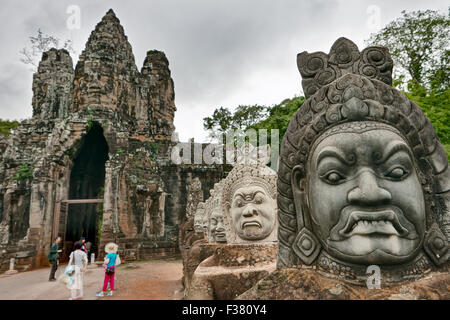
x=109, y=271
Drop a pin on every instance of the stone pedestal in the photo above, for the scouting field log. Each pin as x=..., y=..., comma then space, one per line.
x=232, y=270
x=309, y=284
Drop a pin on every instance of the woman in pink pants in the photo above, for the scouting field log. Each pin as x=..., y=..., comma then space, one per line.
x=111, y=261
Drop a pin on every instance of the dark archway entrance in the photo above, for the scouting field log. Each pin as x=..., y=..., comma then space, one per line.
x=87, y=181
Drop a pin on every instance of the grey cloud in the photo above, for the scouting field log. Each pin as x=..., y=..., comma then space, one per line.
x=215, y=48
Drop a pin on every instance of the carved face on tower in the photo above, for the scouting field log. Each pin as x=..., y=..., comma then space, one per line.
x=252, y=212
x=365, y=199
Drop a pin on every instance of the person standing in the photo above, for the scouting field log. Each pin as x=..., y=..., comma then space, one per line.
x=112, y=260
x=88, y=248
x=83, y=245
x=79, y=259
x=53, y=256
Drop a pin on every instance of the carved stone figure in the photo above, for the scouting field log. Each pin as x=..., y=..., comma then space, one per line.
x=146, y=225
x=198, y=218
x=363, y=180
x=243, y=209
x=216, y=225
x=249, y=203
x=194, y=195
x=206, y=235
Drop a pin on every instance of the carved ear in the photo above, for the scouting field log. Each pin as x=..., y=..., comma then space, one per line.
x=306, y=246
x=298, y=185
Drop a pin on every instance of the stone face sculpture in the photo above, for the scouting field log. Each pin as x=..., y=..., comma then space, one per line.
x=249, y=204
x=363, y=178
x=209, y=233
x=243, y=207
x=198, y=218
x=216, y=227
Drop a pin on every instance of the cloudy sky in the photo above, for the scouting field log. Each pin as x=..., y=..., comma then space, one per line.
x=221, y=52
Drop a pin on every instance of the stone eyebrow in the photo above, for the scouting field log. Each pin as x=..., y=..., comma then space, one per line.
x=253, y=193
x=335, y=153
x=392, y=148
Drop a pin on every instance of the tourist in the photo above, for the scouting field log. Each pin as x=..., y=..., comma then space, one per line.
x=79, y=259
x=53, y=256
x=83, y=245
x=112, y=260
x=88, y=248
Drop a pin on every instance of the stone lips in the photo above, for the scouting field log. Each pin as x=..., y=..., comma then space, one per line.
x=351, y=98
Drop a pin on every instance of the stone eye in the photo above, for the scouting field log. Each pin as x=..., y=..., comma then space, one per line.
x=397, y=173
x=239, y=203
x=258, y=200
x=333, y=177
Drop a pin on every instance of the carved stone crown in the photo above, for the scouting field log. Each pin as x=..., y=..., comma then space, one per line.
x=246, y=175
x=319, y=69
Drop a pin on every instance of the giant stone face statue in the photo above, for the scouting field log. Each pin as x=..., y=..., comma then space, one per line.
x=366, y=201
x=363, y=178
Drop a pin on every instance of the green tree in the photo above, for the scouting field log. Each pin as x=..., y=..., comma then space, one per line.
x=223, y=120
x=419, y=45
x=6, y=126
x=435, y=104
x=218, y=123
x=245, y=116
x=279, y=116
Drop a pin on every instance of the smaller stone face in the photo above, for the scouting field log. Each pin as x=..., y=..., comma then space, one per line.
x=252, y=212
x=198, y=218
x=249, y=204
x=216, y=227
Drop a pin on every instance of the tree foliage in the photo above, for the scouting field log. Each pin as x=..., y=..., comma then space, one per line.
x=24, y=172
x=419, y=45
x=279, y=116
x=436, y=106
x=6, y=126
x=253, y=117
x=223, y=120
x=39, y=44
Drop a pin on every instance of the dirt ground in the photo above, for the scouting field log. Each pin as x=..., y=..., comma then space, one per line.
x=145, y=280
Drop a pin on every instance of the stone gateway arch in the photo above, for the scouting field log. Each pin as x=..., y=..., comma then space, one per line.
x=101, y=134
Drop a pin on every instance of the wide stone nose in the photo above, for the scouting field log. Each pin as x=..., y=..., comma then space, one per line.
x=368, y=192
x=219, y=226
x=249, y=211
